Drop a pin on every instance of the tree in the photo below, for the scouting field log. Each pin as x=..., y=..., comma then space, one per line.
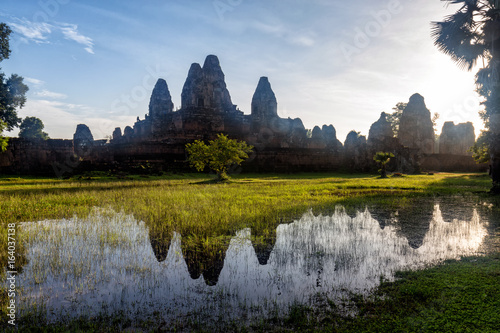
x=382, y=158
x=468, y=36
x=12, y=89
x=218, y=155
x=435, y=117
x=12, y=96
x=480, y=151
x=4, y=41
x=395, y=117
x=3, y=140
x=31, y=128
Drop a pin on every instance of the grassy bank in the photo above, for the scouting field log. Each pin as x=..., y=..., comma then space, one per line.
x=206, y=213
x=457, y=296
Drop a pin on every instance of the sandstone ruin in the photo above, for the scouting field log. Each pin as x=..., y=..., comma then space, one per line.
x=456, y=139
x=415, y=128
x=281, y=144
x=381, y=135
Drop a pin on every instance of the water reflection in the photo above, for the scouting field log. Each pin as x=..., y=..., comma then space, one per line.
x=205, y=258
x=110, y=262
x=160, y=242
x=415, y=222
x=263, y=241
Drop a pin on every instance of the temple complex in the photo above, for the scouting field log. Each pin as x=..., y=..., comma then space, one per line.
x=280, y=144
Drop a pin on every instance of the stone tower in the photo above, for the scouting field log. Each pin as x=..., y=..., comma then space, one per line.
x=381, y=129
x=264, y=104
x=160, y=103
x=83, y=141
x=381, y=135
x=205, y=87
x=456, y=139
x=415, y=128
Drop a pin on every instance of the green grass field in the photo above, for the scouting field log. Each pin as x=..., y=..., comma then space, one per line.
x=200, y=209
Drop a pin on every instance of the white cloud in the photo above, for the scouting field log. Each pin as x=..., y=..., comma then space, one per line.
x=60, y=119
x=70, y=32
x=40, y=32
x=33, y=81
x=39, y=90
x=50, y=94
x=32, y=31
x=276, y=30
x=302, y=40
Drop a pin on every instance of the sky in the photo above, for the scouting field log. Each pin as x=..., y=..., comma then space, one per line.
x=329, y=62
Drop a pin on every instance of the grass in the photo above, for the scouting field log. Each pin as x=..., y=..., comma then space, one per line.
x=456, y=296
x=207, y=214
x=197, y=210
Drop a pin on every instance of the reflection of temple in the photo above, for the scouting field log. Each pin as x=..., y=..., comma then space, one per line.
x=313, y=259
x=414, y=221
x=456, y=208
x=339, y=244
x=160, y=242
x=205, y=257
x=263, y=244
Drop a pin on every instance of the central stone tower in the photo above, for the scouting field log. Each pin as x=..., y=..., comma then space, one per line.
x=415, y=128
x=205, y=87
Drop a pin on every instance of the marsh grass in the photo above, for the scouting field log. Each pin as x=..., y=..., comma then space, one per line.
x=207, y=214
x=180, y=203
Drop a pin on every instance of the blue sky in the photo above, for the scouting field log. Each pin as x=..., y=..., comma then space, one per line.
x=328, y=61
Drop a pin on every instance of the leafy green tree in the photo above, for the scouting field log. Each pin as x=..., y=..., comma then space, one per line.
x=480, y=150
x=218, y=155
x=435, y=117
x=12, y=89
x=471, y=36
x=31, y=128
x=395, y=117
x=4, y=41
x=12, y=96
x=382, y=158
x=3, y=140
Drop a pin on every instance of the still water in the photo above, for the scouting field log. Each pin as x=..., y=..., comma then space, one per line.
x=109, y=263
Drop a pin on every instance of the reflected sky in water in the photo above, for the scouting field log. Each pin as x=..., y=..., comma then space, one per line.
x=109, y=262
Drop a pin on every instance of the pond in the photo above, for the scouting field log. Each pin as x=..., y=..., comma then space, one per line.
x=109, y=263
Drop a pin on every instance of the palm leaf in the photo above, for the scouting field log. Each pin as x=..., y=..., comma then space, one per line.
x=459, y=35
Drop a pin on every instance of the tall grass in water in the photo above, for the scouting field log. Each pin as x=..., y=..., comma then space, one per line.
x=201, y=210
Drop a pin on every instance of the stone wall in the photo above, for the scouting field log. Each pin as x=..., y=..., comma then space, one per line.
x=451, y=163
x=38, y=157
x=294, y=160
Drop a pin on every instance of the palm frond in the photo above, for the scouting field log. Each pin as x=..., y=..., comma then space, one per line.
x=460, y=34
x=462, y=45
